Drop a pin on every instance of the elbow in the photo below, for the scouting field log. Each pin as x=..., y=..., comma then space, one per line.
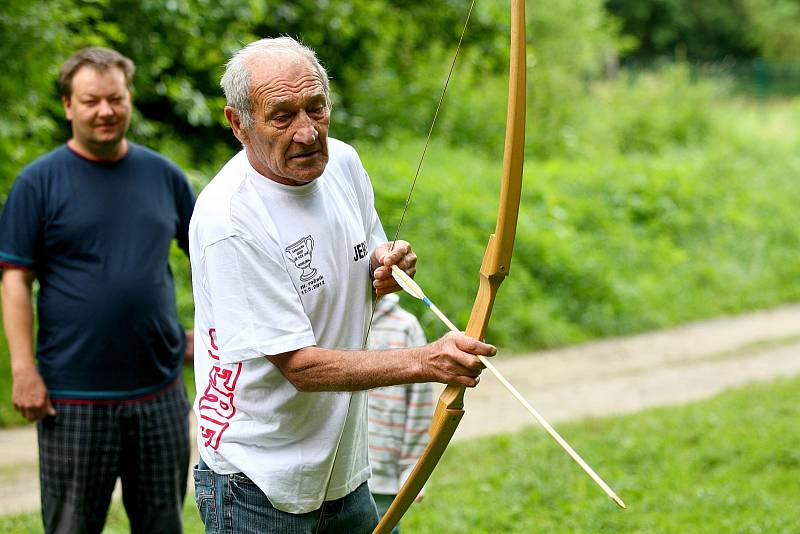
x=16, y=283
x=301, y=382
x=300, y=371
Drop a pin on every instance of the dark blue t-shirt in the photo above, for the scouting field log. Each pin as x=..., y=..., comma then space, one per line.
x=97, y=236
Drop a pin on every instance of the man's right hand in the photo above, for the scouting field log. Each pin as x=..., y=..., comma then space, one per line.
x=452, y=359
x=29, y=395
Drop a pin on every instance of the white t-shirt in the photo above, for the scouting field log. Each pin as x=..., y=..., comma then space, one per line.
x=276, y=268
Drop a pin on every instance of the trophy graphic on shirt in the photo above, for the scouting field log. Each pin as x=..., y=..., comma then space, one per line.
x=299, y=253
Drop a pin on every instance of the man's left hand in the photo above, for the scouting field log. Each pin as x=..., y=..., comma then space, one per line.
x=383, y=257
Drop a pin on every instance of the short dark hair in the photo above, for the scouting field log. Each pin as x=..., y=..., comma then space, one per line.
x=98, y=58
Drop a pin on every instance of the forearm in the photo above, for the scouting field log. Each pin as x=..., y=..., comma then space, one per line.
x=18, y=319
x=29, y=392
x=318, y=369
x=449, y=360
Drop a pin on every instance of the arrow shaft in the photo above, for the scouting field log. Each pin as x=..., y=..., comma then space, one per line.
x=517, y=395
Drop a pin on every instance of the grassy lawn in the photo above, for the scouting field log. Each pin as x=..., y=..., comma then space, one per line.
x=729, y=464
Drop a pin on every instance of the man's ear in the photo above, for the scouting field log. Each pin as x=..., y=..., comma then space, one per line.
x=67, y=107
x=236, y=124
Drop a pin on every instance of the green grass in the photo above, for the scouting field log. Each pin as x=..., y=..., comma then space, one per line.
x=729, y=464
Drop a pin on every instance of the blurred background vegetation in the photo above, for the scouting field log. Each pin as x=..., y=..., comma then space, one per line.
x=663, y=140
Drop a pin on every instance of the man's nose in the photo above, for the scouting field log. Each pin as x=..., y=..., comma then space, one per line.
x=306, y=136
x=104, y=108
x=306, y=133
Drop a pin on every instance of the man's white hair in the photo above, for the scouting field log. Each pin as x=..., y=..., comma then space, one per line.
x=236, y=80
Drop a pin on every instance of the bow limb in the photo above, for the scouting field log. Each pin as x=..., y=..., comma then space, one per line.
x=494, y=269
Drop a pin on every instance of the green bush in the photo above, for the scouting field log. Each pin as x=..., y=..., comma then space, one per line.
x=647, y=111
x=568, y=44
x=612, y=244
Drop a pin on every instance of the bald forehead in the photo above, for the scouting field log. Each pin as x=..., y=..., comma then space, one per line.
x=282, y=76
x=278, y=58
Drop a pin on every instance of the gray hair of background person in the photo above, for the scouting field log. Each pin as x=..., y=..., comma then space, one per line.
x=98, y=58
x=236, y=80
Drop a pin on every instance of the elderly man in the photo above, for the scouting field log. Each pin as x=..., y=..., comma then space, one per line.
x=287, y=256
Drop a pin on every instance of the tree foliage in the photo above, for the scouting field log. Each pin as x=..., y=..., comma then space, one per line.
x=387, y=62
x=775, y=28
x=711, y=30
x=706, y=30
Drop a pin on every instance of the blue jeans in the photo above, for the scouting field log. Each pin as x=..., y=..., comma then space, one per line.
x=233, y=504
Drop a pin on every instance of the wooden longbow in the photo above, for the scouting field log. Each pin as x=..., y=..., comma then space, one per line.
x=494, y=269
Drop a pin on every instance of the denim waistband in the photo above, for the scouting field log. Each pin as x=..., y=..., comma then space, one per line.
x=201, y=464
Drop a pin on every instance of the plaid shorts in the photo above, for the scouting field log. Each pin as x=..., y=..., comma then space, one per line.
x=87, y=446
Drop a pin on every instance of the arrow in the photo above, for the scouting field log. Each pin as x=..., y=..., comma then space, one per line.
x=412, y=288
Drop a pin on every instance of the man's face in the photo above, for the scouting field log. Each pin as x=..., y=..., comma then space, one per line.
x=288, y=141
x=99, y=109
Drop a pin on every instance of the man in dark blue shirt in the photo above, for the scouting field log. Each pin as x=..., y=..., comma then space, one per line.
x=93, y=222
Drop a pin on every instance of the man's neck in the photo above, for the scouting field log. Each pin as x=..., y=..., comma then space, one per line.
x=108, y=153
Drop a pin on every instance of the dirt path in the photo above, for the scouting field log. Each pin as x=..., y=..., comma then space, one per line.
x=595, y=379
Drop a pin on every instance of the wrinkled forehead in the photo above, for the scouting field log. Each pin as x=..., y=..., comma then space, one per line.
x=280, y=77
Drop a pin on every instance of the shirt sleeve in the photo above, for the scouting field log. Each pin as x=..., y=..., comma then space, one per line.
x=20, y=226
x=256, y=308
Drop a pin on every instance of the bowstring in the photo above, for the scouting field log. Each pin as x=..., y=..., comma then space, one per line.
x=397, y=231
x=424, y=151
x=433, y=123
